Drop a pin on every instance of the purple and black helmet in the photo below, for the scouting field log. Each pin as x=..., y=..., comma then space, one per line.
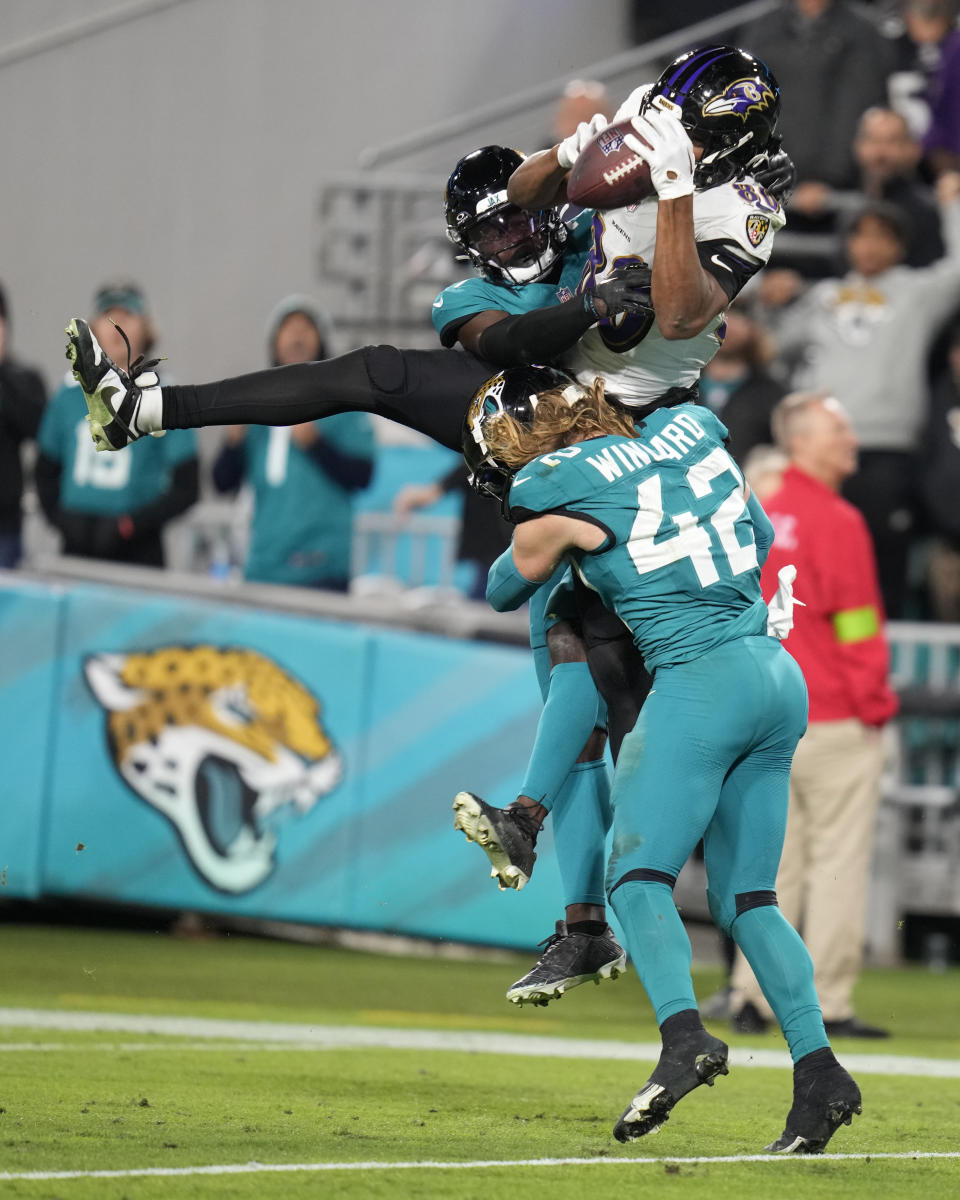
x=729, y=103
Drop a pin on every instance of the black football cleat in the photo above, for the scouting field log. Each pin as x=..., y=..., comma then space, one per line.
x=822, y=1102
x=695, y=1058
x=506, y=835
x=568, y=960
x=112, y=394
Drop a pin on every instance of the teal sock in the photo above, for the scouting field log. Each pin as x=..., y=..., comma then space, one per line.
x=658, y=944
x=568, y=718
x=581, y=818
x=784, y=970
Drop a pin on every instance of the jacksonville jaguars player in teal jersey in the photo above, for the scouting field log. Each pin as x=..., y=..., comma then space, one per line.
x=654, y=514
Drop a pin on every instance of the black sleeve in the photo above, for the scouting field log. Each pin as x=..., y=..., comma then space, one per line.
x=351, y=471
x=23, y=397
x=537, y=336
x=455, y=480
x=183, y=492
x=46, y=473
x=229, y=468
x=728, y=264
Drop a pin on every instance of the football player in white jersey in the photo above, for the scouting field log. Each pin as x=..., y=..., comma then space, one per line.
x=710, y=226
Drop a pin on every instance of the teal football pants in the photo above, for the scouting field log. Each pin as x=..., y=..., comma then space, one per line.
x=710, y=758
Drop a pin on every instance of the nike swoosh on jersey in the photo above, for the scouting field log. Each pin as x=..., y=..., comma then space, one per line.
x=525, y=479
x=438, y=303
x=719, y=261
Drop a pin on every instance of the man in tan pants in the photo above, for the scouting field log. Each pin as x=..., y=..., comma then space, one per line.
x=838, y=641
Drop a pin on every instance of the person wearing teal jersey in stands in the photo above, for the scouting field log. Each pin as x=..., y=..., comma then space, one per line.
x=303, y=476
x=113, y=506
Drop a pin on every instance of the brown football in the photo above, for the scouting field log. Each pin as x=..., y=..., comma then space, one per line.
x=607, y=173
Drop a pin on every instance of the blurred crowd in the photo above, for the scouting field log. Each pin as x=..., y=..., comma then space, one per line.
x=861, y=300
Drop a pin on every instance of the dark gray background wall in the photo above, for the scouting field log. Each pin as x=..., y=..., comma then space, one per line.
x=186, y=147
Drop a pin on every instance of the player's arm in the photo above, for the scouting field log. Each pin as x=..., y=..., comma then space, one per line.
x=686, y=296
x=543, y=334
x=535, y=553
x=541, y=179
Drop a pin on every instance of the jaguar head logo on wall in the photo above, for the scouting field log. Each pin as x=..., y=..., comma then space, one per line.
x=223, y=742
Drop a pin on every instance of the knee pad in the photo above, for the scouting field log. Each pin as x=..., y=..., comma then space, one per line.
x=641, y=875
x=386, y=367
x=724, y=917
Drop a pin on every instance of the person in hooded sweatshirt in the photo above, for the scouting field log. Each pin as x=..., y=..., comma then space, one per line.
x=303, y=477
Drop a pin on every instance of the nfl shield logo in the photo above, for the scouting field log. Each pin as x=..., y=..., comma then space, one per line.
x=757, y=227
x=609, y=141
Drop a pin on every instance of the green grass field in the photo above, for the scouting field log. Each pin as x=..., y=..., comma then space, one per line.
x=145, y=1095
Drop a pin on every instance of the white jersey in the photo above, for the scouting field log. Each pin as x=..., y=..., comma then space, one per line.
x=734, y=225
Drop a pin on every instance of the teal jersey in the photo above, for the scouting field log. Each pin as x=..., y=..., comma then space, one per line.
x=107, y=485
x=458, y=303
x=679, y=563
x=302, y=519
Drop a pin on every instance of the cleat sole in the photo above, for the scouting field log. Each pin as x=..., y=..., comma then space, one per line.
x=470, y=821
x=541, y=996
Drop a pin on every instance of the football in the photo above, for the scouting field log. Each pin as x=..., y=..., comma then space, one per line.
x=607, y=173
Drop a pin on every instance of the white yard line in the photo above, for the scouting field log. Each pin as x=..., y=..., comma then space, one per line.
x=280, y=1035
x=253, y=1168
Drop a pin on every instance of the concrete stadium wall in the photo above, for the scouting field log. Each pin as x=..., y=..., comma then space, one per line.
x=186, y=148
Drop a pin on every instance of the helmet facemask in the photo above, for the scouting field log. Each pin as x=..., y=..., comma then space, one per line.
x=508, y=245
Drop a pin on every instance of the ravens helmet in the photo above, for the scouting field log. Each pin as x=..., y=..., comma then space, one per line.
x=729, y=103
x=504, y=243
x=513, y=392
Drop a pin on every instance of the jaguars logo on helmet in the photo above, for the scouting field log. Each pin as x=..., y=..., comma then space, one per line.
x=514, y=393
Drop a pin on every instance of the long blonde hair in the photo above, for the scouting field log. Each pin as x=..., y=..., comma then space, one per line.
x=556, y=422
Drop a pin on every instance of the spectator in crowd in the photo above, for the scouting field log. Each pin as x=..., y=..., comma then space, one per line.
x=888, y=158
x=927, y=38
x=484, y=534
x=22, y=397
x=113, y=506
x=582, y=100
x=867, y=337
x=940, y=482
x=737, y=385
x=931, y=29
x=303, y=476
x=832, y=61
x=839, y=642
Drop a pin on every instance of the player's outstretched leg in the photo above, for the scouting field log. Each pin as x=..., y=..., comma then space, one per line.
x=569, y=959
x=825, y=1097
x=113, y=399
x=690, y=1056
x=506, y=835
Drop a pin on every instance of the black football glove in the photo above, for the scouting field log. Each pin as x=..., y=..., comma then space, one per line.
x=775, y=170
x=625, y=290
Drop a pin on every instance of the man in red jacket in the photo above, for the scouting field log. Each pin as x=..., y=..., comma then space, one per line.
x=839, y=642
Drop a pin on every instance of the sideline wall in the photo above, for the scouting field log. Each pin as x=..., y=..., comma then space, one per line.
x=148, y=761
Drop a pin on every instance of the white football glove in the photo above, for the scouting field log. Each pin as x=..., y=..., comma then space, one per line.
x=780, y=608
x=632, y=105
x=568, y=151
x=671, y=160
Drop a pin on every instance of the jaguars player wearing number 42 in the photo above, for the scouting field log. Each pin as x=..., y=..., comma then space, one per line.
x=656, y=517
